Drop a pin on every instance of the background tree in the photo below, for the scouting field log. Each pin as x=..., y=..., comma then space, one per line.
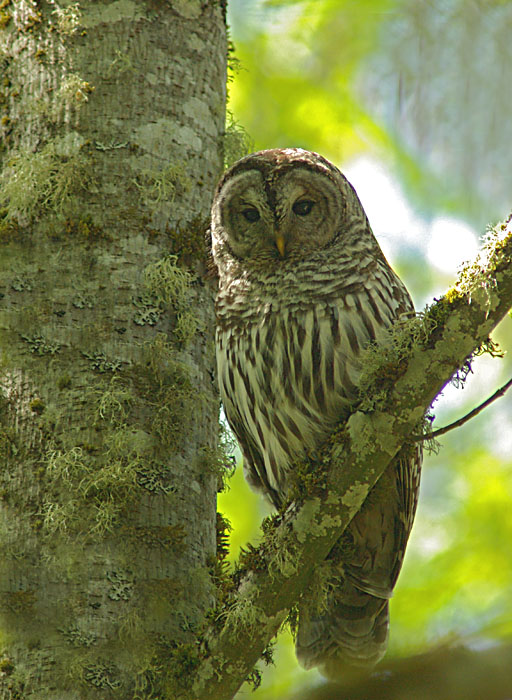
x=112, y=118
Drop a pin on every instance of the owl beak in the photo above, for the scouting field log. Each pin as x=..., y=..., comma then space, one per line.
x=280, y=243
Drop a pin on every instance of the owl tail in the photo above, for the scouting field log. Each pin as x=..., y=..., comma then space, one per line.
x=352, y=632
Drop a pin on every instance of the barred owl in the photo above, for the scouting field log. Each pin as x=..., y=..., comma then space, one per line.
x=303, y=288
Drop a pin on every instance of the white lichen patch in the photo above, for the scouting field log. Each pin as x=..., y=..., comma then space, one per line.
x=333, y=499
x=413, y=380
x=207, y=671
x=194, y=42
x=384, y=427
x=372, y=432
x=156, y=136
x=112, y=12
x=355, y=496
x=69, y=144
x=189, y=9
x=305, y=519
x=199, y=112
x=484, y=298
x=321, y=528
x=185, y=136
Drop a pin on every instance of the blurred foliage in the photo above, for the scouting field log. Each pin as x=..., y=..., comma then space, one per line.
x=420, y=91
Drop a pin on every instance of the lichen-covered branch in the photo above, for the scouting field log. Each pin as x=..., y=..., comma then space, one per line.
x=401, y=379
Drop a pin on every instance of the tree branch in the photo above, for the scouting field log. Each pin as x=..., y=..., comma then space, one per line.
x=439, y=342
x=461, y=421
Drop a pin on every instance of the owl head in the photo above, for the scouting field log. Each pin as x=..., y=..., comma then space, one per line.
x=284, y=205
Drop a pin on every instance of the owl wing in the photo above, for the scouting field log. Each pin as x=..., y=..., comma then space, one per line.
x=378, y=534
x=254, y=465
x=366, y=562
x=353, y=630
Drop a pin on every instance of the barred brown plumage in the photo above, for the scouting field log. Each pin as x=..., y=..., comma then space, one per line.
x=303, y=289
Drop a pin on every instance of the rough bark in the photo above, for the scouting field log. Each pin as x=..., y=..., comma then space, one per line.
x=398, y=386
x=112, y=118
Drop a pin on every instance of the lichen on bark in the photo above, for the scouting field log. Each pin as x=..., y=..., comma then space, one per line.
x=107, y=515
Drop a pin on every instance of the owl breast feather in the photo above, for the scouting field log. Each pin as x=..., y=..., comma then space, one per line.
x=288, y=369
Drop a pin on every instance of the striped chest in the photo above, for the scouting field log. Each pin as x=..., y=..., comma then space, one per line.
x=288, y=355
x=287, y=376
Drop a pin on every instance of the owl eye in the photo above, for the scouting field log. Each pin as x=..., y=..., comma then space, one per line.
x=251, y=215
x=303, y=207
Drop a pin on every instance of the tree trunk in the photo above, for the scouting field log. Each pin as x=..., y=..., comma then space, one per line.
x=112, y=118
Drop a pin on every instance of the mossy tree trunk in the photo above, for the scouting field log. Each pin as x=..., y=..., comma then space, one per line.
x=111, y=118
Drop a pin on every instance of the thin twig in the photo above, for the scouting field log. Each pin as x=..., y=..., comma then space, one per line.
x=468, y=416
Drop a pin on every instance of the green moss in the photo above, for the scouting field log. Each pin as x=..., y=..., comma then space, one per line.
x=237, y=142
x=9, y=230
x=219, y=566
x=166, y=285
x=5, y=18
x=165, y=385
x=64, y=382
x=170, y=537
x=101, y=487
x=167, y=588
x=182, y=664
x=18, y=602
x=188, y=242
x=383, y=363
x=157, y=186
x=216, y=461
x=452, y=295
x=37, y=406
x=475, y=279
x=6, y=667
x=307, y=478
x=45, y=181
x=85, y=229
